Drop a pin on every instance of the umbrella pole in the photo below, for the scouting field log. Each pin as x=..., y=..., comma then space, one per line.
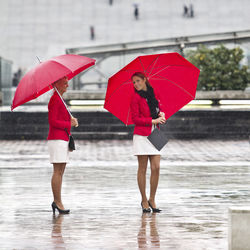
x=63, y=101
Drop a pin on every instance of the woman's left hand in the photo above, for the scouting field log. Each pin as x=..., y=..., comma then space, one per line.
x=162, y=114
x=74, y=122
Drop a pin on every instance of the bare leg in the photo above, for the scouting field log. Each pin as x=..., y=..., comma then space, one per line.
x=141, y=178
x=56, y=183
x=154, y=178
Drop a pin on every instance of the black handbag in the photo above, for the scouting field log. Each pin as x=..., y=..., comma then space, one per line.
x=158, y=139
x=71, y=142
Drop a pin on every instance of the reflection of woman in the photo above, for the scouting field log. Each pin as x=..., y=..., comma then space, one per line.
x=154, y=238
x=57, y=232
x=60, y=123
x=145, y=112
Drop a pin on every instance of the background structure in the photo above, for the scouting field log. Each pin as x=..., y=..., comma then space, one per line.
x=45, y=28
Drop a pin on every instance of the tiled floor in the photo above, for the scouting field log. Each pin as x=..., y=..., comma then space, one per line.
x=199, y=181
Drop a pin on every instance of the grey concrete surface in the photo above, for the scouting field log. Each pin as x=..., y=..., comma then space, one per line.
x=200, y=180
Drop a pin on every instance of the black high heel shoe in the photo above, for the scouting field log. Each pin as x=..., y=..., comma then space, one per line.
x=145, y=210
x=61, y=211
x=155, y=210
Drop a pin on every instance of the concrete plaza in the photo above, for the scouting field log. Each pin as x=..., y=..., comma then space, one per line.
x=200, y=180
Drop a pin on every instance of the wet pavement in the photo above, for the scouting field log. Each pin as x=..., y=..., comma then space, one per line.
x=199, y=181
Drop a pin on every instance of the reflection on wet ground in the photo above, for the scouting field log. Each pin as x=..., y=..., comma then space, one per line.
x=56, y=235
x=105, y=203
x=151, y=239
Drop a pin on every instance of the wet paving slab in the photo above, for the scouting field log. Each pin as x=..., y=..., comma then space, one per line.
x=199, y=181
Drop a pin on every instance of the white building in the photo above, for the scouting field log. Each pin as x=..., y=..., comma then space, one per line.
x=45, y=28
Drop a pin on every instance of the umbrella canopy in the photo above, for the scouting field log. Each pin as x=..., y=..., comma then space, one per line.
x=39, y=79
x=171, y=75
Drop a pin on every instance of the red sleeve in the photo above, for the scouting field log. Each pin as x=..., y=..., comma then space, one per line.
x=136, y=117
x=53, y=117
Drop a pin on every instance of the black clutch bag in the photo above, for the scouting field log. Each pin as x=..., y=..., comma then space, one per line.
x=158, y=139
x=71, y=142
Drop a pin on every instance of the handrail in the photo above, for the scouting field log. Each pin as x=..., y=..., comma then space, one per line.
x=184, y=41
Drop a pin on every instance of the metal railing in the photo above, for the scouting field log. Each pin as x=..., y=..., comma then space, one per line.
x=179, y=44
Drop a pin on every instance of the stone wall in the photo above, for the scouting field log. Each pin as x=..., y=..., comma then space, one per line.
x=196, y=124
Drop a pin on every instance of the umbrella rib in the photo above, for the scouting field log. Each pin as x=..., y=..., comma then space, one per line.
x=154, y=62
x=163, y=78
x=142, y=65
x=117, y=89
x=162, y=70
x=168, y=67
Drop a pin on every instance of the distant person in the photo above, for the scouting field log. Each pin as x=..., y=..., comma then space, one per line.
x=136, y=12
x=17, y=77
x=191, y=11
x=185, y=11
x=110, y=2
x=92, y=33
x=60, y=123
x=15, y=80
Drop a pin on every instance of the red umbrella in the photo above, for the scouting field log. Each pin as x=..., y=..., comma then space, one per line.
x=171, y=75
x=39, y=79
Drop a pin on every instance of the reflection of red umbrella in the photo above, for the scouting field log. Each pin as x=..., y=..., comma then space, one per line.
x=171, y=75
x=39, y=80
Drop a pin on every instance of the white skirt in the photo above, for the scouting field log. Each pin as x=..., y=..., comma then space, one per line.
x=142, y=146
x=58, y=151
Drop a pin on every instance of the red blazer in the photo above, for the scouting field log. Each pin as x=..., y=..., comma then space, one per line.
x=59, y=119
x=141, y=115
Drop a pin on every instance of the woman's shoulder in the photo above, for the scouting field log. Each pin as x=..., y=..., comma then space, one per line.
x=53, y=99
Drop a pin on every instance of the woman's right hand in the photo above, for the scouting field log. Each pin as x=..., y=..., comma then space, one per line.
x=74, y=122
x=159, y=120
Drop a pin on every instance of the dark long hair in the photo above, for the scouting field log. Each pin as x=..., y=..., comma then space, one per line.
x=149, y=95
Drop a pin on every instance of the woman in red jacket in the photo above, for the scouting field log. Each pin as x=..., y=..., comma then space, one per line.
x=146, y=112
x=60, y=123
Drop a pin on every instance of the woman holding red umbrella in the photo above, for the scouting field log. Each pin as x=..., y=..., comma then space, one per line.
x=146, y=113
x=60, y=123
x=40, y=79
x=171, y=76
